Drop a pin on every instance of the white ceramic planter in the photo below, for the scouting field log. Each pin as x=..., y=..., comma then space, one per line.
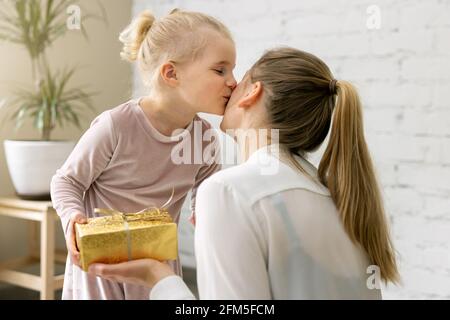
x=32, y=165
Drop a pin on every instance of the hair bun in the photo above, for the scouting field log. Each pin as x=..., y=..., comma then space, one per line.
x=146, y=20
x=133, y=36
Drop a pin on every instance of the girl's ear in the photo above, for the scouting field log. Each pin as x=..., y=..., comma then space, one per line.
x=254, y=93
x=168, y=74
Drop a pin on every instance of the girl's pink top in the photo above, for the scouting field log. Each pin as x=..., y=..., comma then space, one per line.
x=122, y=162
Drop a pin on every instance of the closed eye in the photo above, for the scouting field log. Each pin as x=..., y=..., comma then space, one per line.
x=219, y=71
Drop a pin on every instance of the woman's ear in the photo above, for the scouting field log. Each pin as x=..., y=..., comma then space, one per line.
x=252, y=96
x=168, y=74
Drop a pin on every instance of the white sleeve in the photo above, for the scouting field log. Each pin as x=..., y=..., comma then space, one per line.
x=171, y=288
x=231, y=259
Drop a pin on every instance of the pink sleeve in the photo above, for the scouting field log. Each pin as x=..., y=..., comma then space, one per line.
x=212, y=165
x=84, y=165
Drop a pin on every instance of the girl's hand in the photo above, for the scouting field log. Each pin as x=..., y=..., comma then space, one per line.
x=144, y=272
x=71, y=243
x=192, y=219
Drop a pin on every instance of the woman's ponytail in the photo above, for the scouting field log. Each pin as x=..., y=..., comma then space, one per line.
x=346, y=169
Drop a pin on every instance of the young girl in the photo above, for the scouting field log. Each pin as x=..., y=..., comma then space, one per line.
x=125, y=160
x=300, y=232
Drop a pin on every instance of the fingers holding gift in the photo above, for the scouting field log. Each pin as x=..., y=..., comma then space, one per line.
x=146, y=272
x=76, y=217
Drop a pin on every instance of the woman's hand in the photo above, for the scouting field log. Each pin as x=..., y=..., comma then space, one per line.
x=144, y=272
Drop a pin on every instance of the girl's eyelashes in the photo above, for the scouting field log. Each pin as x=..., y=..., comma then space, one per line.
x=219, y=71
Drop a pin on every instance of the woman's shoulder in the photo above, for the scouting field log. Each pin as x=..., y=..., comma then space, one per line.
x=244, y=180
x=258, y=178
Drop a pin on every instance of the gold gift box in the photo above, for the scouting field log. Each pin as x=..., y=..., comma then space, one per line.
x=120, y=237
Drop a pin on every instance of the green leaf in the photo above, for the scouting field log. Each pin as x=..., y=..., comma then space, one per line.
x=39, y=120
x=36, y=24
x=20, y=117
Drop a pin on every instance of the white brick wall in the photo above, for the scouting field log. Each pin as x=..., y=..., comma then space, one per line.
x=403, y=73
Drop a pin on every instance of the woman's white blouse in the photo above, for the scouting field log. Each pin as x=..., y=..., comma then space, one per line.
x=265, y=230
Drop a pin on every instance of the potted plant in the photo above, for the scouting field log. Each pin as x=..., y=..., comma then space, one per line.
x=36, y=25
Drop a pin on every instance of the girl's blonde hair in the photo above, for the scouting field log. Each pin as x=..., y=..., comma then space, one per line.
x=175, y=37
x=303, y=100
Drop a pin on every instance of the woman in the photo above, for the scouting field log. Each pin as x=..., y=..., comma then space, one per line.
x=297, y=233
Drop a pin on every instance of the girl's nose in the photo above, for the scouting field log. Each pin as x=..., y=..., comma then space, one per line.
x=232, y=83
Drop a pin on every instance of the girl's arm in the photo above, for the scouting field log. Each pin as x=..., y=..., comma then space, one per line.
x=86, y=162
